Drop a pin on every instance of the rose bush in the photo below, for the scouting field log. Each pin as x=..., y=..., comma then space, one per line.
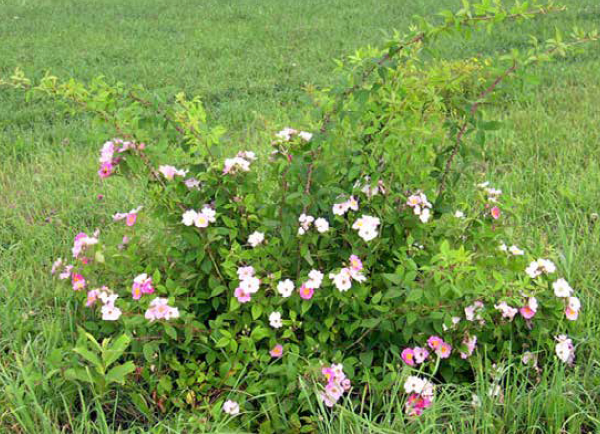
x=347, y=246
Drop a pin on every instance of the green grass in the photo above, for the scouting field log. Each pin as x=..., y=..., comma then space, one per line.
x=249, y=61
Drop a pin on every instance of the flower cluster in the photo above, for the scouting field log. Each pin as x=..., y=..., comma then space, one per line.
x=306, y=221
x=142, y=284
x=66, y=269
x=109, y=311
x=514, y=250
x=370, y=190
x=307, y=289
x=539, y=267
x=239, y=163
x=474, y=311
x=421, y=206
x=170, y=172
x=342, y=208
x=441, y=348
x=82, y=241
x=563, y=290
x=416, y=355
x=492, y=193
x=78, y=281
x=159, y=309
x=130, y=217
x=343, y=279
x=200, y=219
x=470, y=343
x=421, y=394
x=108, y=161
x=249, y=284
x=366, y=227
x=288, y=134
x=337, y=384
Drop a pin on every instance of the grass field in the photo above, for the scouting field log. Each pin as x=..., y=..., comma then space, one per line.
x=249, y=61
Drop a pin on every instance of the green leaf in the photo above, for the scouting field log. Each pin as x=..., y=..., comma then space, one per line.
x=90, y=357
x=119, y=372
x=256, y=311
x=115, y=351
x=223, y=342
x=79, y=374
x=170, y=330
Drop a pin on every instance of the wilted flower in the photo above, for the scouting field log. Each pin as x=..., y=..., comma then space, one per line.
x=470, y=343
x=508, y=312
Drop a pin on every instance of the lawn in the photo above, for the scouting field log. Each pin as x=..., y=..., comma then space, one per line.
x=250, y=62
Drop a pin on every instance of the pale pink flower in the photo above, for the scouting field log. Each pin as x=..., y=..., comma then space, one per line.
x=275, y=320
x=565, y=349
x=231, y=407
x=251, y=285
x=315, y=279
x=276, y=351
x=529, y=310
x=322, y=225
x=420, y=354
x=355, y=263
x=110, y=312
x=444, y=350
x=170, y=172
x=159, y=309
x=92, y=296
x=242, y=296
x=57, y=264
x=256, y=238
x=561, y=288
x=342, y=280
x=245, y=272
x=470, y=343
x=189, y=217
x=285, y=288
x=434, y=342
